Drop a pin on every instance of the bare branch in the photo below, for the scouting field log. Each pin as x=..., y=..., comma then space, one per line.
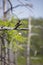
x=30, y=5
x=10, y=4
x=16, y=7
x=12, y=28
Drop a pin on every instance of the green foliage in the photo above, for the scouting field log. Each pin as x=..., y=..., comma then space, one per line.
x=21, y=60
x=37, y=61
x=37, y=40
x=13, y=36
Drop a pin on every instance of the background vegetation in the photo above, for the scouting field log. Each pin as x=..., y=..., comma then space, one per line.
x=17, y=40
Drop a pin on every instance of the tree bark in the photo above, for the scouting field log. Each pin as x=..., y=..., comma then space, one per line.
x=4, y=10
x=28, y=44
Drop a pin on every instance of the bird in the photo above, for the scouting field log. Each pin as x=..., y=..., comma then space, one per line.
x=18, y=24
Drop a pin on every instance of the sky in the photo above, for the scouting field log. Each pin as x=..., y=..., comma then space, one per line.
x=25, y=12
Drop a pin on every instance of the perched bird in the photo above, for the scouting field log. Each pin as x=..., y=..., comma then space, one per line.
x=18, y=24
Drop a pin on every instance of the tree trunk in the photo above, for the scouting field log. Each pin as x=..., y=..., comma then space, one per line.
x=28, y=44
x=4, y=10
